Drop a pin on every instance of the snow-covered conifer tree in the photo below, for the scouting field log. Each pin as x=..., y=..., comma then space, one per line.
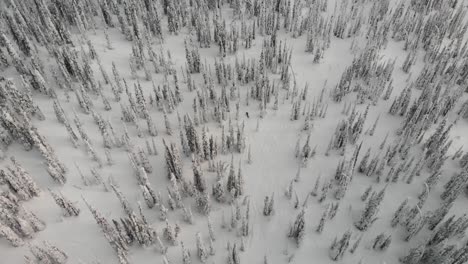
x=201, y=249
x=370, y=211
x=186, y=258
x=297, y=230
x=69, y=208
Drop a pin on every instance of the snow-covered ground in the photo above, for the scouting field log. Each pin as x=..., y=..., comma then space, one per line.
x=270, y=136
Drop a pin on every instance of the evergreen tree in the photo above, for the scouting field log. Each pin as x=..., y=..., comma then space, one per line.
x=198, y=178
x=173, y=162
x=323, y=219
x=12, y=237
x=201, y=249
x=338, y=248
x=68, y=207
x=202, y=200
x=186, y=258
x=170, y=234
x=414, y=255
x=370, y=211
x=297, y=230
x=399, y=213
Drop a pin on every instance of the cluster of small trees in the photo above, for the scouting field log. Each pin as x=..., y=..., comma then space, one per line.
x=19, y=181
x=47, y=253
x=16, y=222
x=348, y=130
x=437, y=249
x=115, y=239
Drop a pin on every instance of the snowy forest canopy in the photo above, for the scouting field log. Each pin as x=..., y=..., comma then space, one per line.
x=233, y=131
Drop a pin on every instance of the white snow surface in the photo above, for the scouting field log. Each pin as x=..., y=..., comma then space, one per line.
x=272, y=169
